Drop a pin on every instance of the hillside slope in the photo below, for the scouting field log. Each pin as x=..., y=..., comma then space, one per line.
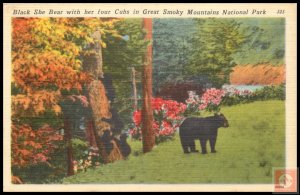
x=247, y=152
x=262, y=74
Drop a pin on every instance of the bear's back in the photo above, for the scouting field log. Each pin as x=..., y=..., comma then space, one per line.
x=198, y=125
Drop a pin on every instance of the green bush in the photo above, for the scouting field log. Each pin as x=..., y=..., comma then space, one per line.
x=266, y=93
x=271, y=93
x=80, y=149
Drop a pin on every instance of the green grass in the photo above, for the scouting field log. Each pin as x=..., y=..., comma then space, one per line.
x=247, y=151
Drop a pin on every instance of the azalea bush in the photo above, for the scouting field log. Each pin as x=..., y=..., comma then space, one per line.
x=168, y=115
x=234, y=96
x=192, y=103
x=210, y=101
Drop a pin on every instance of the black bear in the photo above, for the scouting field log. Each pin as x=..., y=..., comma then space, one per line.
x=124, y=146
x=107, y=141
x=203, y=129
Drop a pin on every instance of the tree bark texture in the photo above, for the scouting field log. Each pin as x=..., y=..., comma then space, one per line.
x=68, y=140
x=135, y=100
x=96, y=93
x=147, y=113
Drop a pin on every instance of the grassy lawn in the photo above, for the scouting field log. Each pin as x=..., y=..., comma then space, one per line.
x=247, y=151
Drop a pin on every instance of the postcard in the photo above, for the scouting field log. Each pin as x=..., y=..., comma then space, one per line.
x=150, y=97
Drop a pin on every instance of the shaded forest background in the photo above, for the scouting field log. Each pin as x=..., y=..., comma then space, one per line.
x=180, y=45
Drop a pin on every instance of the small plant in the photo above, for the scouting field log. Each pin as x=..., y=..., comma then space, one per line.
x=84, y=156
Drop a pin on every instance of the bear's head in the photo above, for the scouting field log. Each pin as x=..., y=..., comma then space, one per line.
x=222, y=120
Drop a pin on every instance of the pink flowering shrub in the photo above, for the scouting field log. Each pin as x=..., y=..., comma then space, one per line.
x=168, y=115
x=211, y=100
x=234, y=96
x=192, y=103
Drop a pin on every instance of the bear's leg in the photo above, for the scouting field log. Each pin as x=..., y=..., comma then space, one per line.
x=203, y=145
x=184, y=145
x=212, y=141
x=185, y=149
x=193, y=146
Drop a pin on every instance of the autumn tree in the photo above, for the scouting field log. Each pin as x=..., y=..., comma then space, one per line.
x=40, y=54
x=46, y=69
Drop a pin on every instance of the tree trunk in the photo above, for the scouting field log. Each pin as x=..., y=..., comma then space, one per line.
x=147, y=113
x=68, y=140
x=135, y=100
x=96, y=93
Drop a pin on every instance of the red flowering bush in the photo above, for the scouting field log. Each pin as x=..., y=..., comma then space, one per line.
x=168, y=115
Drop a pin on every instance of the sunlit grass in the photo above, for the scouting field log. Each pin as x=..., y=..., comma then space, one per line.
x=247, y=151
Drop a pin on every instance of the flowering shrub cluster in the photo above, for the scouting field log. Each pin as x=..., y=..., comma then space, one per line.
x=168, y=115
x=234, y=96
x=192, y=103
x=81, y=165
x=210, y=101
x=84, y=156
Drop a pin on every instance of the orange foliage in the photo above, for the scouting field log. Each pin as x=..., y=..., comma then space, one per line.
x=35, y=103
x=46, y=58
x=262, y=74
x=46, y=52
x=32, y=146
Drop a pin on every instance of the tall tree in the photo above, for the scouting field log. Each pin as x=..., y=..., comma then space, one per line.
x=98, y=95
x=147, y=113
x=172, y=40
x=214, y=44
x=214, y=47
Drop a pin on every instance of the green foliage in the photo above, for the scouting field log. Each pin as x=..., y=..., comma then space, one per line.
x=247, y=151
x=48, y=117
x=272, y=92
x=119, y=57
x=205, y=50
x=80, y=148
x=172, y=40
x=214, y=43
